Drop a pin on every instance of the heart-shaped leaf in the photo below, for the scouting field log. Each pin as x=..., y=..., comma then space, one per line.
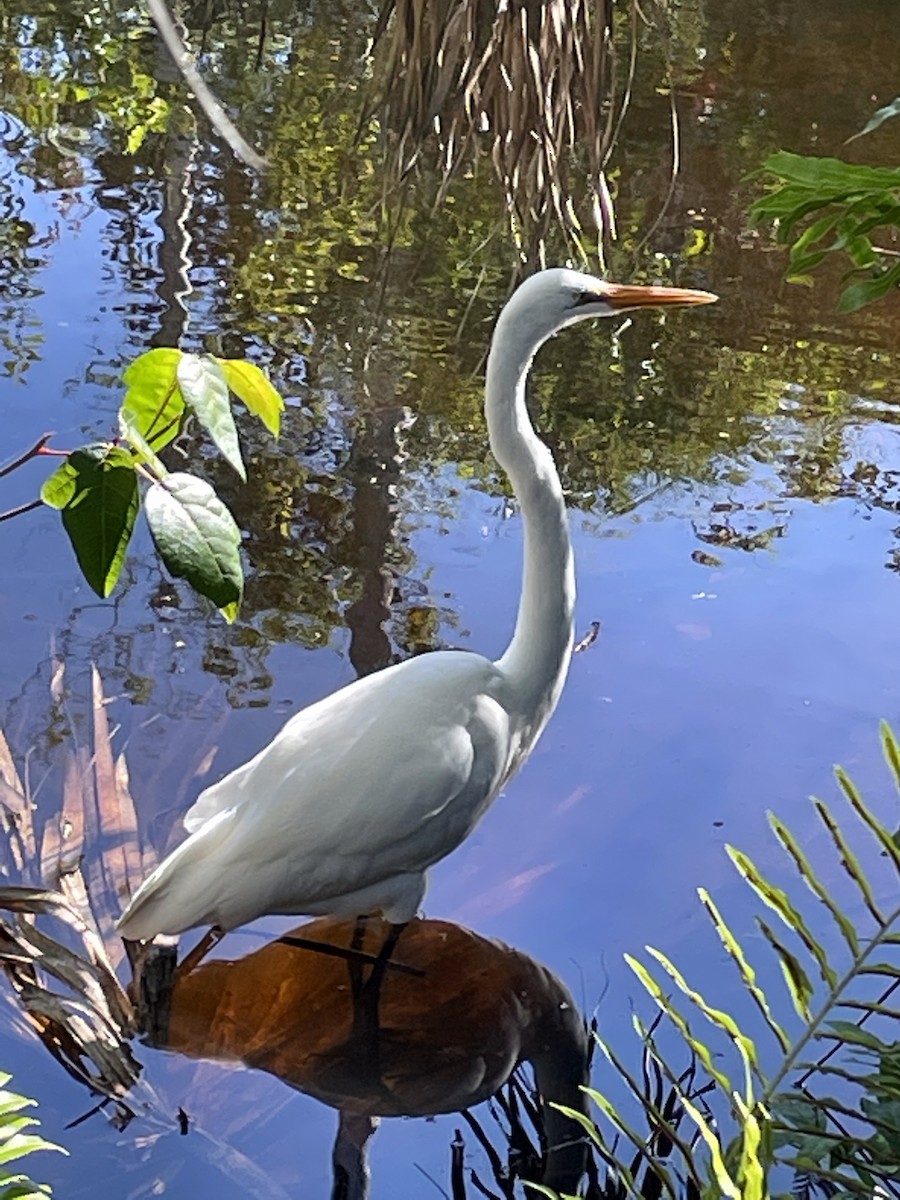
x=153, y=406
x=251, y=385
x=205, y=389
x=96, y=488
x=197, y=538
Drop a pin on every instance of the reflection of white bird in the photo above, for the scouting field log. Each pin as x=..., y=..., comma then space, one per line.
x=360, y=793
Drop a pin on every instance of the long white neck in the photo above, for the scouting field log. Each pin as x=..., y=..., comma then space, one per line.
x=537, y=659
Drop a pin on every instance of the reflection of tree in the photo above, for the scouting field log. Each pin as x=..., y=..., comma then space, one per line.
x=320, y=272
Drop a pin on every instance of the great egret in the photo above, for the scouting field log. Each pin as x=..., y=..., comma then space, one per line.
x=360, y=793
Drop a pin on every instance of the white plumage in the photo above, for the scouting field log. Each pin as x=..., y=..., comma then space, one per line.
x=347, y=807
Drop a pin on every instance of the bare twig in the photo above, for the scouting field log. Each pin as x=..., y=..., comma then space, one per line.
x=214, y=111
x=23, y=508
x=33, y=452
x=589, y=638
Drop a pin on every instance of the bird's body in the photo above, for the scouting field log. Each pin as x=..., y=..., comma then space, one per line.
x=345, y=810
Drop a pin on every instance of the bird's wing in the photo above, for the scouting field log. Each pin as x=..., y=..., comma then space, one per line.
x=386, y=775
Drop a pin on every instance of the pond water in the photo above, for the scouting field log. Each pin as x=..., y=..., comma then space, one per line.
x=732, y=474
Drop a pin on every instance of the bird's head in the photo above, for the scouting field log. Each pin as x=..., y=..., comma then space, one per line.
x=552, y=299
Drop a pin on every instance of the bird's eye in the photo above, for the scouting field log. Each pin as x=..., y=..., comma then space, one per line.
x=582, y=299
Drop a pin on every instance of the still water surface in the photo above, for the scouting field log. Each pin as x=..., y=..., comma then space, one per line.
x=715, y=691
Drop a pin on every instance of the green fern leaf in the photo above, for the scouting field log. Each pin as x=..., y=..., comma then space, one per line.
x=809, y=877
x=849, y=860
x=715, y=1016
x=748, y=975
x=885, y=840
x=798, y=984
x=699, y=1048
x=780, y=903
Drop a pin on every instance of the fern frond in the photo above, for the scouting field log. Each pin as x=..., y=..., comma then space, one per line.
x=792, y=847
x=849, y=861
x=849, y=1143
x=16, y=1144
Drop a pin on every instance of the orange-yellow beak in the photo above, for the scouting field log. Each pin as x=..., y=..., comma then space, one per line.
x=625, y=295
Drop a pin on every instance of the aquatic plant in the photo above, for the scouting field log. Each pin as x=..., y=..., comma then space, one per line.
x=16, y=1143
x=823, y=1099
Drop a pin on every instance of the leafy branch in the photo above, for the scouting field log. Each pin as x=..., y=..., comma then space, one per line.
x=823, y=206
x=751, y=1114
x=16, y=1143
x=97, y=488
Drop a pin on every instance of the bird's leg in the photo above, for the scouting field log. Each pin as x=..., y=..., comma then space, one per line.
x=371, y=989
x=349, y=1158
x=210, y=939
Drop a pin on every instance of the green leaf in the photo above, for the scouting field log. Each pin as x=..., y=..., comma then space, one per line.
x=748, y=975
x=144, y=453
x=878, y=118
x=780, y=902
x=847, y=1031
x=849, y=861
x=61, y=486
x=795, y=977
x=251, y=385
x=891, y=751
x=715, y=1016
x=857, y=295
x=812, y=881
x=153, y=406
x=196, y=537
x=830, y=176
x=885, y=840
x=205, y=389
x=21, y=1144
x=699, y=1048
x=97, y=490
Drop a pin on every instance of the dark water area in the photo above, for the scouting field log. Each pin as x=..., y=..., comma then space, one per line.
x=732, y=475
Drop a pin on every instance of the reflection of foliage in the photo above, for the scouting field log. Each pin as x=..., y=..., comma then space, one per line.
x=531, y=83
x=105, y=84
x=827, y=1115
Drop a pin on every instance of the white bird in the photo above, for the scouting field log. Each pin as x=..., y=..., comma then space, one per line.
x=360, y=793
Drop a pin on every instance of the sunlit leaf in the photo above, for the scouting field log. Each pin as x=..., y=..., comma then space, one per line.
x=748, y=975
x=153, y=406
x=196, y=536
x=699, y=1048
x=205, y=389
x=885, y=839
x=96, y=489
x=716, y=1016
x=830, y=176
x=809, y=877
x=780, y=902
x=144, y=452
x=798, y=983
x=251, y=385
x=891, y=750
x=849, y=861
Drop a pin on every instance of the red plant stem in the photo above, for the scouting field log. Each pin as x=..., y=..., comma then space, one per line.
x=37, y=448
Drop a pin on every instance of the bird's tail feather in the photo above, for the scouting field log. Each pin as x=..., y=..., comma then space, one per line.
x=183, y=890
